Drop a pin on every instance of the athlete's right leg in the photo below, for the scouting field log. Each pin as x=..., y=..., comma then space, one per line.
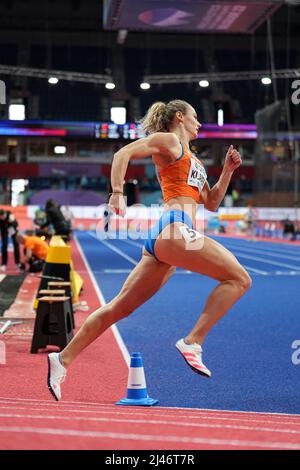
x=143, y=282
x=211, y=259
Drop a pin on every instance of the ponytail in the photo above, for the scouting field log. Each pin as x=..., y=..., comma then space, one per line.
x=160, y=115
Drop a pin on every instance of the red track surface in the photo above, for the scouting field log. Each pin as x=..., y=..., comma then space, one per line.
x=42, y=424
x=88, y=419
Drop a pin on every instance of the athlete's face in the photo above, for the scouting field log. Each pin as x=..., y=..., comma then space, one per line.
x=191, y=123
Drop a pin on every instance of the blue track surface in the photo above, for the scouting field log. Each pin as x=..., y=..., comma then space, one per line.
x=249, y=351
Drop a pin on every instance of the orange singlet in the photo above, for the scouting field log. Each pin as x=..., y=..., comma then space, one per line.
x=184, y=177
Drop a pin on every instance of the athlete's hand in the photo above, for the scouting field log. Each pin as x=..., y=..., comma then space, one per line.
x=117, y=204
x=233, y=159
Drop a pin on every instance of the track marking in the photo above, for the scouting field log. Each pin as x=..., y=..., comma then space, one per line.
x=149, y=437
x=256, y=271
x=116, y=250
x=116, y=271
x=295, y=271
x=255, y=258
x=175, y=408
x=195, y=411
x=152, y=422
x=265, y=252
x=261, y=244
x=102, y=300
x=131, y=242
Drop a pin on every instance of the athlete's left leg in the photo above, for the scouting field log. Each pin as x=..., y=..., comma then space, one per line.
x=142, y=283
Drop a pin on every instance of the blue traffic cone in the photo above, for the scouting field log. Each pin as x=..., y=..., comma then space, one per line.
x=136, y=387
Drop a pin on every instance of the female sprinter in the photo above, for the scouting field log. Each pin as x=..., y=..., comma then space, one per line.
x=173, y=242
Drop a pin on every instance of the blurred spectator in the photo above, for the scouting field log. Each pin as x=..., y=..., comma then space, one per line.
x=8, y=227
x=36, y=250
x=40, y=219
x=68, y=215
x=249, y=219
x=289, y=229
x=235, y=197
x=56, y=219
x=83, y=181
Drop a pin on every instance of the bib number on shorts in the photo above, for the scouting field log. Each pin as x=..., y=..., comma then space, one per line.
x=189, y=234
x=197, y=175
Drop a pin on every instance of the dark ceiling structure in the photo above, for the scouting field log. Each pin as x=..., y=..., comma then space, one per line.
x=183, y=16
x=128, y=40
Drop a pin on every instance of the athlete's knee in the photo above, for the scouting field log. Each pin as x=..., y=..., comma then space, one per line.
x=244, y=281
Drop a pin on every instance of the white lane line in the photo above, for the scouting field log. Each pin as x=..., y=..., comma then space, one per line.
x=120, y=252
x=180, y=272
x=153, y=413
x=264, y=252
x=154, y=422
x=149, y=437
x=277, y=248
x=114, y=328
x=286, y=273
x=238, y=247
x=116, y=250
x=275, y=263
x=195, y=413
x=116, y=271
x=131, y=242
x=254, y=270
x=157, y=408
x=127, y=271
x=257, y=271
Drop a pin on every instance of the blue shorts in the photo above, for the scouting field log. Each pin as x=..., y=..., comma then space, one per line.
x=167, y=218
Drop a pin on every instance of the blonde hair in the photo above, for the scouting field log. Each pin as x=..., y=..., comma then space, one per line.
x=160, y=115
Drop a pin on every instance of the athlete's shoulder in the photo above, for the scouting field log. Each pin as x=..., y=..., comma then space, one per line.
x=165, y=139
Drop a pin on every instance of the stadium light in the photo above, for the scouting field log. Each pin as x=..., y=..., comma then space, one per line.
x=110, y=85
x=118, y=114
x=145, y=86
x=204, y=83
x=266, y=81
x=16, y=112
x=60, y=149
x=220, y=117
x=53, y=80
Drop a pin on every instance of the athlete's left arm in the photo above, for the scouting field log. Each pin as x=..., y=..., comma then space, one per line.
x=212, y=197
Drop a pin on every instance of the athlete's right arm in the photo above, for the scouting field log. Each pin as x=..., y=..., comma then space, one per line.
x=164, y=143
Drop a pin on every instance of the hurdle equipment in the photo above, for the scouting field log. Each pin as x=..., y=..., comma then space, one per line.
x=53, y=323
x=57, y=264
x=59, y=292
x=59, y=284
x=137, y=394
x=59, y=267
x=76, y=283
x=66, y=285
